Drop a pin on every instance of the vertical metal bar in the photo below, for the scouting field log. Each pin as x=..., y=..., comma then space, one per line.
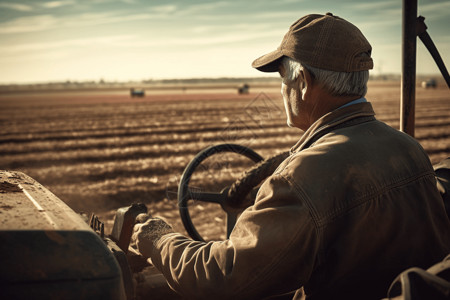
x=409, y=46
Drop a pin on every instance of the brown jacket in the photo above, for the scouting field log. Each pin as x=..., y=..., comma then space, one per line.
x=355, y=204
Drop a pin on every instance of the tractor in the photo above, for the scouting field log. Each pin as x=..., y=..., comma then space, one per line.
x=50, y=252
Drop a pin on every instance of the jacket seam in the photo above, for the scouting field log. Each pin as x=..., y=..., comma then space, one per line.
x=289, y=160
x=336, y=129
x=305, y=197
x=327, y=218
x=351, y=117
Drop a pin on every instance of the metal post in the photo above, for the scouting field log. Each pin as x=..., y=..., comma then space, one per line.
x=409, y=46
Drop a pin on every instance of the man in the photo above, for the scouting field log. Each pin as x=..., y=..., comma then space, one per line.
x=353, y=205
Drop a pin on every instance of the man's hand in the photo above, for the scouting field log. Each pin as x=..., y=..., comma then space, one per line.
x=147, y=232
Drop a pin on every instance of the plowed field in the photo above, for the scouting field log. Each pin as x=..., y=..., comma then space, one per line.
x=101, y=151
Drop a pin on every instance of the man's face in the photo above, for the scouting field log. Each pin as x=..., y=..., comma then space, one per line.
x=295, y=106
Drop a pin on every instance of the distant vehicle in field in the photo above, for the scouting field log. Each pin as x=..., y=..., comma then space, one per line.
x=244, y=89
x=137, y=93
x=430, y=83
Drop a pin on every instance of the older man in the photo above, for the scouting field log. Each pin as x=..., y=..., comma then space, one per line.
x=353, y=205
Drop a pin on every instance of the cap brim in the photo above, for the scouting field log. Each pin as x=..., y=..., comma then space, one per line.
x=269, y=62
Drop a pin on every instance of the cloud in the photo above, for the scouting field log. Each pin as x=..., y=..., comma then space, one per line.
x=206, y=40
x=102, y=18
x=434, y=11
x=286, y=17
x=435, y=7
x=33, y=47
x=33, y=57
x=48, y=21
x=291, y=1
x=202, y=8
x=190, y=10
x=376, y=5
x=377, y=13
x=56, y=4
x=28, y=24
x=370, y=25
x=164, y=9
x=16, y=6
x=212, y=6
x=242, y=27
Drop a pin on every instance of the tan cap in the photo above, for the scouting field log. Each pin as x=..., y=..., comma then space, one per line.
x=322, y=41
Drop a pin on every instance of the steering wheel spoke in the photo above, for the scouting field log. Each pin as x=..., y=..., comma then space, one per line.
x=210, y=197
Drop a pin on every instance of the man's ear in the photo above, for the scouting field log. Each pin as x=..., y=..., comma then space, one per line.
x=306, y=83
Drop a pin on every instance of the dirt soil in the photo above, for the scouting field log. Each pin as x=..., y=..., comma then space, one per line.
x=98, y=152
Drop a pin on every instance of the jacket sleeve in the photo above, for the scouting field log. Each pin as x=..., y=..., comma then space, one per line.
x=271, y=250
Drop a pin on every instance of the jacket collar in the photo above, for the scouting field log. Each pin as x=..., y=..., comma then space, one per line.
x=342, y=117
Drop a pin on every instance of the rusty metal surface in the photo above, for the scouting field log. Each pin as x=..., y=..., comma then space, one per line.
x=47, y=250
x=25, y=204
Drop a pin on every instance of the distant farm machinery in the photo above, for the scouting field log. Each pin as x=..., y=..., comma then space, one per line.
x=137, y=93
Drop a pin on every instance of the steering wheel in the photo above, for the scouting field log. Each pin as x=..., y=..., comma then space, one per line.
x=233, y=199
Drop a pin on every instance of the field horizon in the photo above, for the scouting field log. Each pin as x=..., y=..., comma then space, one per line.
x=158, y=86
x=101, y=150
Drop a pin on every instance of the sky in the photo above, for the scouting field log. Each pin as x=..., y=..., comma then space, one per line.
x=122, y=40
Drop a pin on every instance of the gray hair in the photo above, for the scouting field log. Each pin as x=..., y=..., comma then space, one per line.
x=336, y=83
